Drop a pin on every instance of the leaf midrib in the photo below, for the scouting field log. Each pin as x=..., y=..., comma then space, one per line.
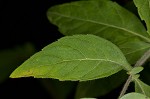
x=140, y=86
x=109, y=25
x=92, y=59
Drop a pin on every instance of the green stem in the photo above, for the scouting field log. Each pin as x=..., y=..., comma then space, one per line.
x=140, y=62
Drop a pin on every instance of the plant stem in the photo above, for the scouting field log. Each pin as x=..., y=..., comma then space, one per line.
x=140, y=62
x=125, y=87
x=143, y=59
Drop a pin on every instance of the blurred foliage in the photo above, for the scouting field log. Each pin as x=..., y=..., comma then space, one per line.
x=12, y=58
x=59, y=89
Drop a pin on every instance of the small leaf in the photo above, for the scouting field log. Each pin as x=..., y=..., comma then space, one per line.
x=135, y=76
x=78, y=57
x=144, y=11
x=136, y=70
x=134, y=95
x=141, y=87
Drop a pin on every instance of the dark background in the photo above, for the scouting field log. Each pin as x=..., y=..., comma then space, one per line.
x=24, y=21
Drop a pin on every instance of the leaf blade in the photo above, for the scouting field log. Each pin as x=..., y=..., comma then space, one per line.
x=78, y=57
x=56, y=14
x=93, y=17
x=134, y=95
x=141, y=87
x=134, y=49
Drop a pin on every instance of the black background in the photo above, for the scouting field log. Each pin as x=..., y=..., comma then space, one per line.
x=24, y=21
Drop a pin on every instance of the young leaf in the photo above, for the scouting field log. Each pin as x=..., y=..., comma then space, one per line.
x=144, y=11
x=136, y=70
x=134, y=95
x=141, y=87
x=78, y=57
x=104, y=18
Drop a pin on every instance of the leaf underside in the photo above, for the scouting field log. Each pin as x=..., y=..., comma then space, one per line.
x=78, y=57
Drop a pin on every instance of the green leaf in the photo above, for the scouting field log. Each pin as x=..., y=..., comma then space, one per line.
x=78, y=57
x=134, y=49
x=134, y=95
x=144, y=11
x=11, y=58
x=103, y=18
x=136, y=70
x=100, y=87
x=141, y=87
x=94, y=16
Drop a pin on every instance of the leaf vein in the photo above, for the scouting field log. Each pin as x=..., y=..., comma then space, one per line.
x=91, y=59
x=105, y=24
x=137, y=50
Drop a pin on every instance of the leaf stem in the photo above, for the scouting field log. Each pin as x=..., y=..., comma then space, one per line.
x=140, y=62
